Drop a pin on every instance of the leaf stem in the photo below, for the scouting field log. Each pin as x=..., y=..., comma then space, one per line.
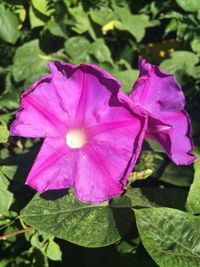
x=19, y=232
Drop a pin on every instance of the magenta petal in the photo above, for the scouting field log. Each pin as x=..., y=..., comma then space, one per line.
x=40, y=114
x=92, y=136
x=86, y=90
x=176, y=139
x=54, y=167
x=109, y=157
x=94, y=182
x=159, y=96
x=121, y=141
x=157, y=91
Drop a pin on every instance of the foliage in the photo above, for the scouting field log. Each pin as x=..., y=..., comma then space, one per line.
x=156, y=221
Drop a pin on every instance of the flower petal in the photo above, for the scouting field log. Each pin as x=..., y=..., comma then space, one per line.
x=54, y=166
x=109, y=156
x=40, y=114
x=157, y=91
x=159, y=96
x=94, y=182
x=91, y=91
x=87, y=97
x=174, y=136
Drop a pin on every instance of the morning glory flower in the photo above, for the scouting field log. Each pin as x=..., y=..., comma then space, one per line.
x=160, y=98
x=91, y=138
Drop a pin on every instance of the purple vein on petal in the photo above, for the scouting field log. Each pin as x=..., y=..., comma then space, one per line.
x=58, y=154
x=98, y=129
x=100, y=164
x=80, y=112
x=47, y=115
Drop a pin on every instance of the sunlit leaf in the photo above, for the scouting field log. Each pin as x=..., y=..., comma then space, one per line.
x=4, y=134
x=8, y=25
x=193, y=200
x=30, y=62
x=127, y=78
x=189, y=6
x=80, y=223
x=170, y=236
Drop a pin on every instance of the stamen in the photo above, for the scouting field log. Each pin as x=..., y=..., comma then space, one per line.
x=76, y=138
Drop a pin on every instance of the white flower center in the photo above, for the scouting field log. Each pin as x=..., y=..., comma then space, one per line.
x=76, y=138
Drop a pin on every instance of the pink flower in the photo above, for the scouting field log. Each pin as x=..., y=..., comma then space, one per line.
x=92, y=139
x=159, y=96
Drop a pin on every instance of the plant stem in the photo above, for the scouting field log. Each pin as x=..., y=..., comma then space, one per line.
x=19, y=232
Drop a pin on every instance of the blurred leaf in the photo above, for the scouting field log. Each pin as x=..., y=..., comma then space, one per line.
x=135, y=24
x=39, y=12
x=154, y=146
x=193, y=200
x=172, y=26
x=56, y=28
x=170, y=236
x=29, y=62
x=100, y=50
x=8, y=25
x=4, y=134
x=102, y=16
x=80, y=223
x=35, y=21
x=10, y=100
x=42, y=6
x=189, y=6
x=195, y=44
x=9, y=171
x=78, y=49
x=177, y=175
x=82, y=22
x=180, y=61
x=126, y=78
x=6, y=197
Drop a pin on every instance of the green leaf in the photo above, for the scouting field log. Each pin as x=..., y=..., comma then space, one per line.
x=53, y=251
x=193, y=200
x=80, y=223
x=100, y=50
x=82, y=23
x=184, y=61
x=177, y=175
x=170, y=236
x=154, y=197
x=56, y=28
x=4, y=134
x=78, y=49
x=9, y=171
x=29, y=62
x=126, y=78
x=155, y=146
x=42, y=6
x=9, y=25
x=102, y=16
x=195, y=44
x=135, y=24
x=35, y=20
x=6, y=197
x=39, y=13
x=189, y=6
